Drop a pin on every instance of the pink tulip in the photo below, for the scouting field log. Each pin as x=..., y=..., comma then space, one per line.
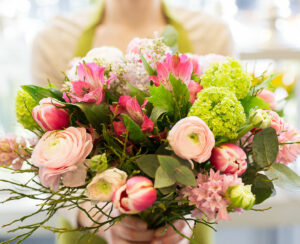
x=191, y=139
x=181, y=67
x=229, y=159
x=268, y=97
x=61, y=154
x=137, y=195
x=90, y=87
x=49, y=117
x=130, y=106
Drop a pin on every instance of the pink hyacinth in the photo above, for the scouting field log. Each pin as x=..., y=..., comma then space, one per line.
x=181, y=67
x=12, y=151
x=137, y=195
x=130, y=106
x=209, y=195
x=90, y=87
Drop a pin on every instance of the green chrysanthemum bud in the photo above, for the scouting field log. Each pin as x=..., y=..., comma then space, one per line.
x=99, y=163
x=229, y=74
x=24, y=105
x=219, y=108
x=260, y=119
x=240, y=196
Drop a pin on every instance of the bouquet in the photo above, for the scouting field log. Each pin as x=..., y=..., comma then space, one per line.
x=156, y=134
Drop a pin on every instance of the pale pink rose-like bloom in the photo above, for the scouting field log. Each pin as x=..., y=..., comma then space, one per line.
x=268, y=97
x=49, y=116
x=12, y=151
x=209, y=195
x=277, y=122
x=181, y=67
x=229, y=159
x=194, y=88
x=136, y=196
x=61, y=153
x=130, y=106
x=135, y=45
x=206, y=61
x=191, y=139
x=90, y=87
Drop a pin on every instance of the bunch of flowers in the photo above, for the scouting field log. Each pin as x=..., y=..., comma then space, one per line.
x=158, y=135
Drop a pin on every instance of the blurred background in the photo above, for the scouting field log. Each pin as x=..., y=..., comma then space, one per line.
x=267, y=38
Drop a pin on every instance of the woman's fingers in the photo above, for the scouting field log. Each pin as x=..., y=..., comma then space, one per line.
x=163, y=231
x=117, y=240
x=130, y=234
x=133, y=223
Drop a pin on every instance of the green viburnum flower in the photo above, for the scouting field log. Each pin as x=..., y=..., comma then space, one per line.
x=24, y=105
x=229, y=74
x=220, y=110
x=99, y=163
x=240, y=196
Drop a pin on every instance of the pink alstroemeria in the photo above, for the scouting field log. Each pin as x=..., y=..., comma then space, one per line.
x=90, y=87
x=181, y=67
x=130, y=106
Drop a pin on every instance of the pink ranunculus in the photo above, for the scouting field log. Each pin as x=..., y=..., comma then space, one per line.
x=229, y=159
x=49, y=116
x=59, y=153
x=181, y=67
x=135, y=45
x=191, y=139
x=268, y=97
x=130, y=106
x=90, y=87
x=194, y=88
x=137, y=195
x=12, y=151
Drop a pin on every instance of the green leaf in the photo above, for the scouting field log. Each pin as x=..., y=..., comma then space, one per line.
x=265, y=147
x=168, y=163
x=95, y=114
x=267, y=83
x=251, y=102
x=139, y=94
x=156, y=113
x=136, y=134
x=185, y=176
x=284, y=177
x=38, y=93
x=147, y=66
x=162, y=98
x=181, y=96
x=148, y=164
x=170, y=36
x=162, y=179
x=168, y=190
x=262, y=187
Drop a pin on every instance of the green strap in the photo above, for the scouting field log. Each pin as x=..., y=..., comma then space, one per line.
x=85, y=41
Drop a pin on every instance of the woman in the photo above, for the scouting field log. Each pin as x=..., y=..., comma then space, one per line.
x=115, y=24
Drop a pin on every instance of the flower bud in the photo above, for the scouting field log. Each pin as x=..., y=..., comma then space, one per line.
x=137, y=195
x=103, y=185
x=229, y=159
x=260, y=118
x=49, y=117
x=240, y=196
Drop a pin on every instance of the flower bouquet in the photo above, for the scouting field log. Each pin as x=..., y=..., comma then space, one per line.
x=161, y=136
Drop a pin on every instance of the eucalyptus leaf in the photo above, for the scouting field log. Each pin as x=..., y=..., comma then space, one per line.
x=169, y=164
x=148, y=164
x=162, y=179
x=170, y=36
x=284, y=177
x=262, y=188
x=168, y=190
x=265, y=147
x=185, y=176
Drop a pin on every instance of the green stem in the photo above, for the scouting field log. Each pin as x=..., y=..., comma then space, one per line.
x=289, y=142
